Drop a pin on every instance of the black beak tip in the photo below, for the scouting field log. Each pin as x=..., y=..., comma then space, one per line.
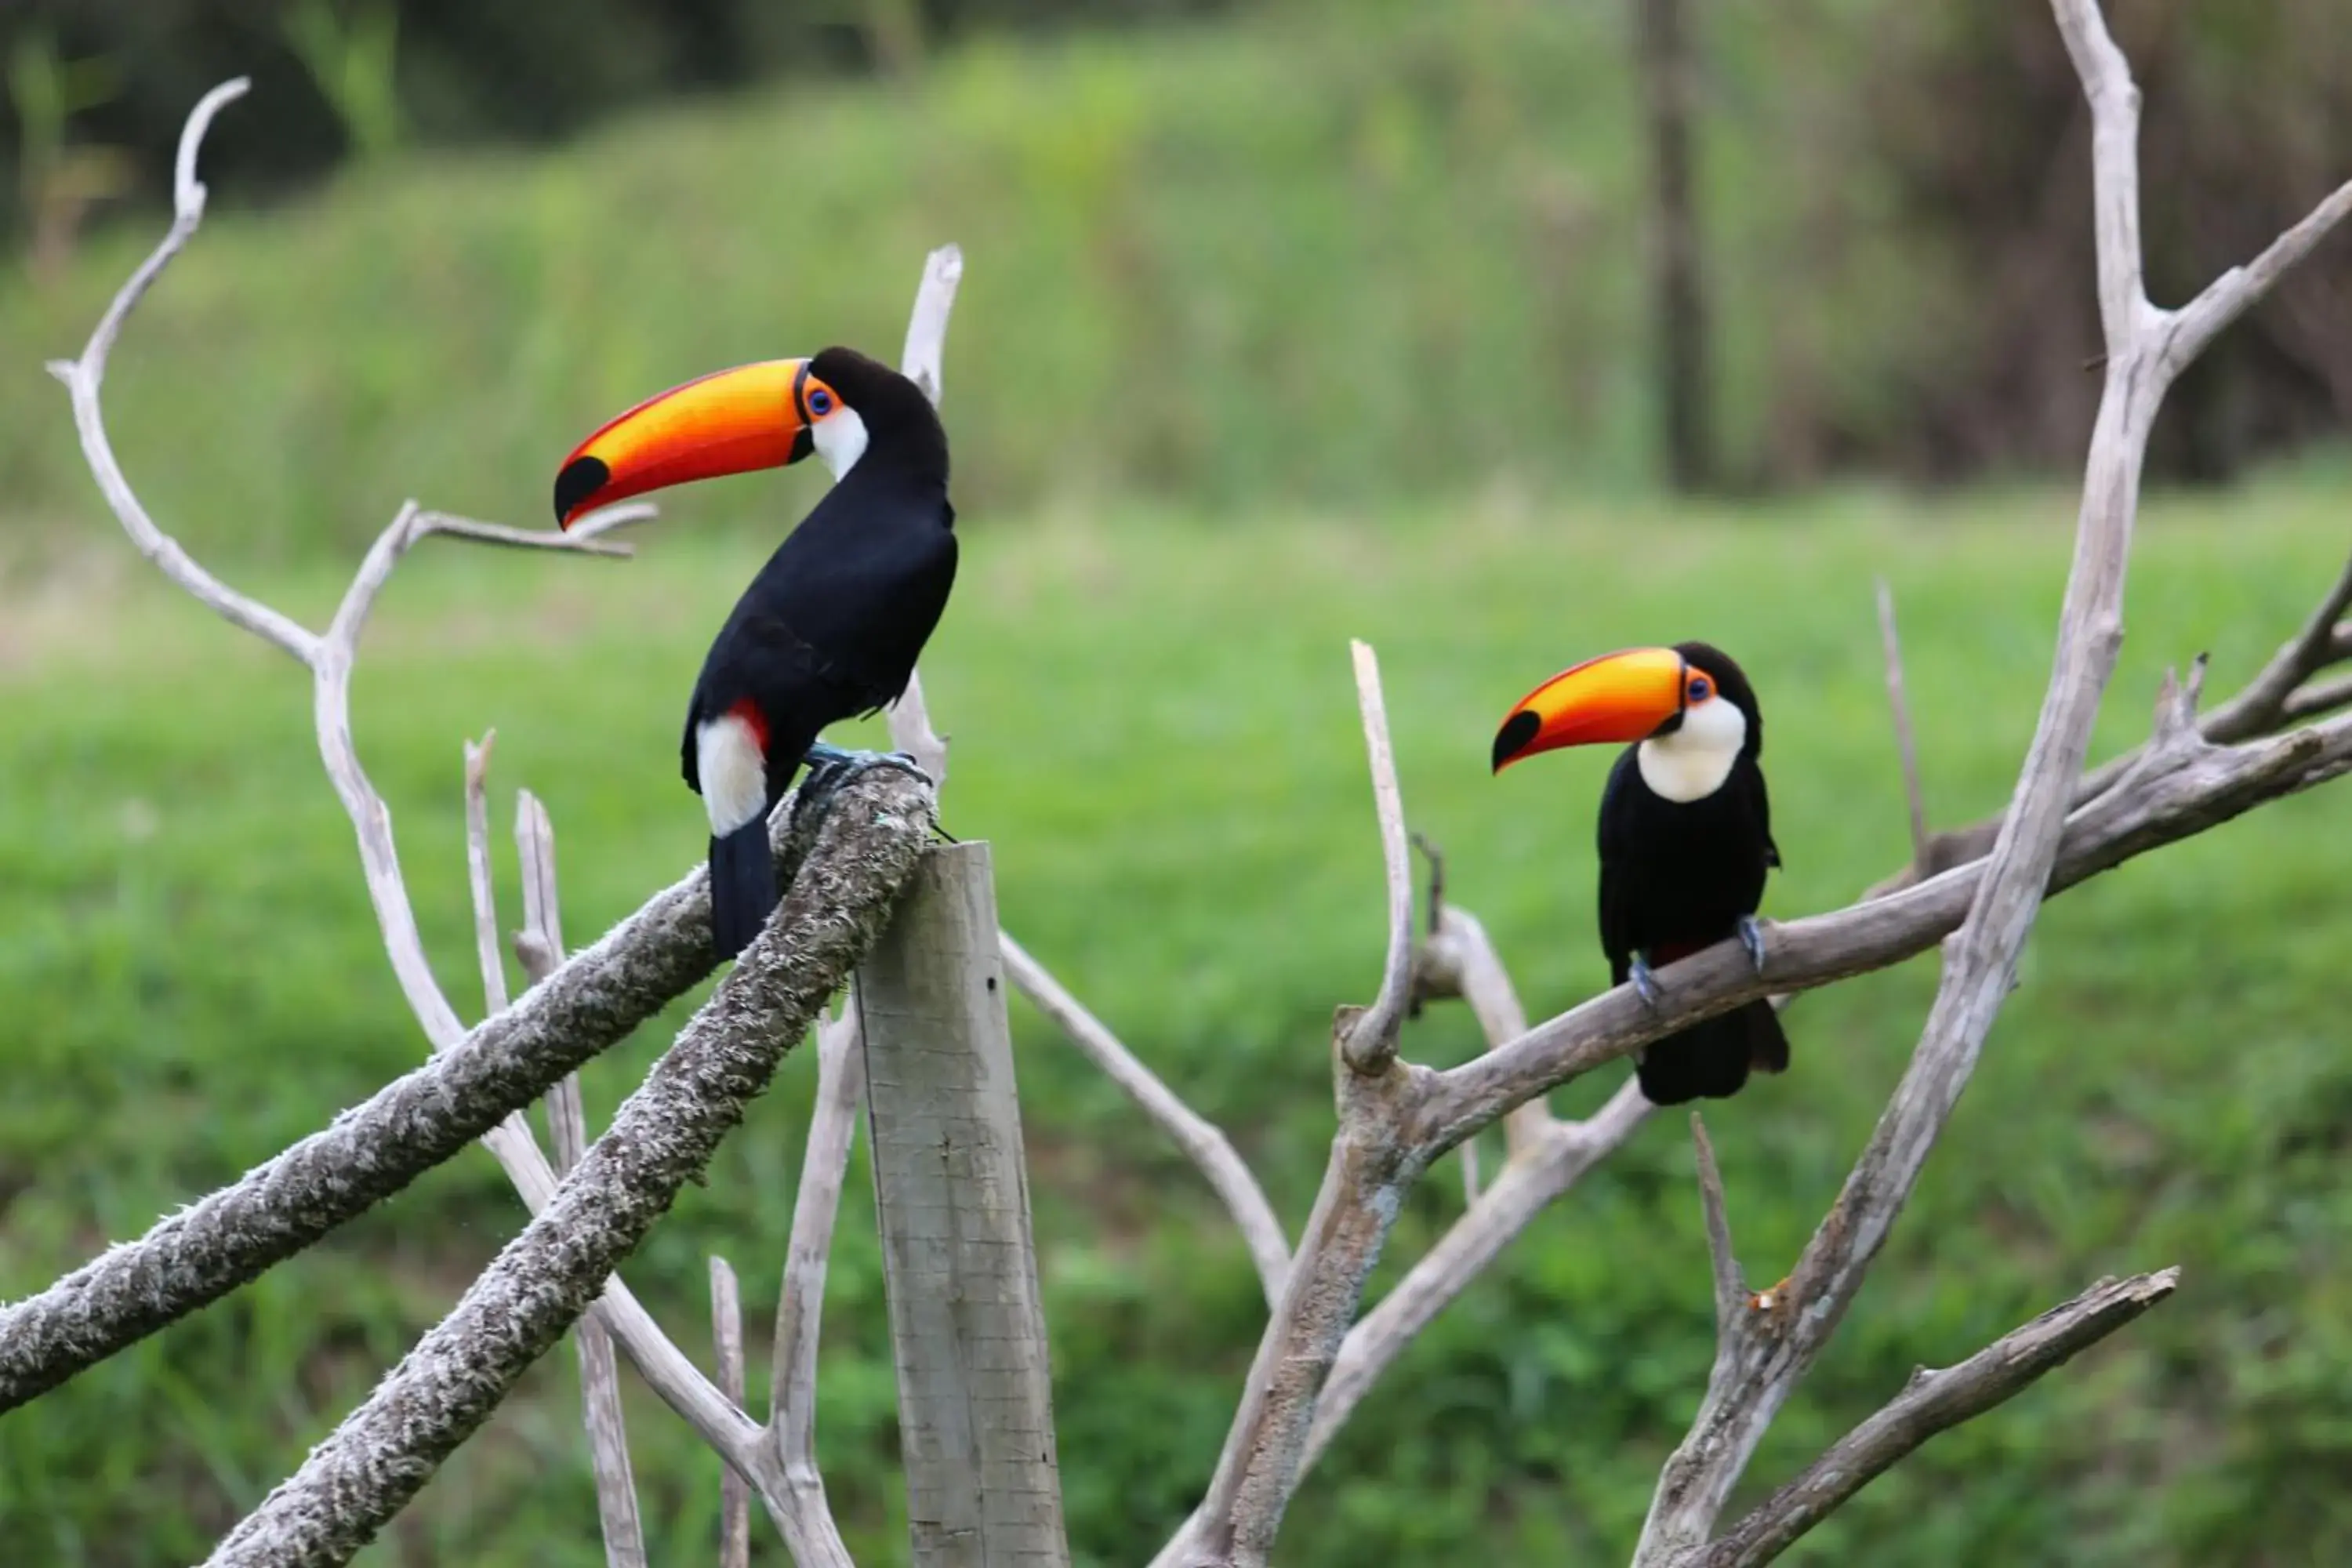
x=1512, y=739
x=580, y=479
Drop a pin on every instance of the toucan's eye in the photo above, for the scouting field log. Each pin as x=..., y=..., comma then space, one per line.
x=819, y=401
x=1700, y=688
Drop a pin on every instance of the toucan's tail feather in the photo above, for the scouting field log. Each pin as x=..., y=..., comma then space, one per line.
x=1712, y=1058
x=742, y=887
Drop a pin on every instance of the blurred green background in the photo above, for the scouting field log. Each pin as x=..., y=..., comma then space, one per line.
x=1284, y=323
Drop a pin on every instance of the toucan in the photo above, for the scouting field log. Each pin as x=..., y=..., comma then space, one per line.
x=1685, y=836
x=831, y=626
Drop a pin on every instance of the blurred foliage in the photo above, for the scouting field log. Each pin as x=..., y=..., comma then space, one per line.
x=1977, y=124
x=327, y=74
x=1322, y=252
x=1154, y=726
x=1306, y=258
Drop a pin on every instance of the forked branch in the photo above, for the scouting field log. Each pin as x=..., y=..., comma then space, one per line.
x=1761, y=1357
x=1934, y=1401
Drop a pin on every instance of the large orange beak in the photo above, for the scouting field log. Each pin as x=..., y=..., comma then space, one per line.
x=729, y=422
x=1617, y=697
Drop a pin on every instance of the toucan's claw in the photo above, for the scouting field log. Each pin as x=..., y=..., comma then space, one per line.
x=1751, y=937
x=1644, y=981
x=830, y=767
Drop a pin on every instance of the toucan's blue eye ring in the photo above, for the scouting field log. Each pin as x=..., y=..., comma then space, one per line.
x=819, y=401
x=1700, y=688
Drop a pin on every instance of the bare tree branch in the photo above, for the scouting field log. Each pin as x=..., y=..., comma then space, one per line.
x=927, y=325
x=2182, y=793
x=1203, y=1142
x=1922, y=846
x=796, y=1499
x=2325, y=697
x=330, y=657
x=477, y=874
x=1373, y=1165
x=1461, y=957
x=1761, y=1357
x=910, y=732
x=1730, y=1288
x=578, y=1009
x=430, y=523
x=1551, y=1162
x=538, y=946
x=2230, y=296
x=664, y=1135
x=727, y=1337
x=198, y=1255
x=1934, y=1401
x=83, y=377
x=1372, y=1041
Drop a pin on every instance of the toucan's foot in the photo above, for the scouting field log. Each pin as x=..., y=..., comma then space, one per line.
x=830, y=767
x=1751, y=937
x=821, y=756
x=1644, y=981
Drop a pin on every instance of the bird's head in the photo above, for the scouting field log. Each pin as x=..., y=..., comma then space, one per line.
x=760, y=415
x=1691, y=697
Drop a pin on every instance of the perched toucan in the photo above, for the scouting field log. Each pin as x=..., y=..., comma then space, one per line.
x=1685, y=836
x=831, y=626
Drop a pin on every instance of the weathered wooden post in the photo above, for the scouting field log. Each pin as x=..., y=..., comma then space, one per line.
x=975, y=1389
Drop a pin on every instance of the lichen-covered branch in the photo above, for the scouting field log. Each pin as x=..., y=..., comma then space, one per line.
x=663, y=1136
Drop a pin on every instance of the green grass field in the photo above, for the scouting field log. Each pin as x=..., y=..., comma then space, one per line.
x=1276, y=333
x=1153, y=722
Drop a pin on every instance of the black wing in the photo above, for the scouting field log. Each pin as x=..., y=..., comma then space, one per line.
x=1619, y=937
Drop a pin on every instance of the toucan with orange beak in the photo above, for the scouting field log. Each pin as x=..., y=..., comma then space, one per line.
x=1685, y=836
x=831, y=626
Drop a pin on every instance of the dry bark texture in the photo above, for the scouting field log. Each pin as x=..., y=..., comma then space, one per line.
x=662, y=1137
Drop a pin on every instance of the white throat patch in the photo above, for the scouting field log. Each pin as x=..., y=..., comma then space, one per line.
x=1692, y=763
x=840, y=441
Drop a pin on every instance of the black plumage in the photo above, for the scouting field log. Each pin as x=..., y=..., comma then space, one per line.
x=834, y=623
x=1679, y=876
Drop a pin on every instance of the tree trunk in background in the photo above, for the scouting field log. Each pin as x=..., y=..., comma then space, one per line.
x=1677, y=292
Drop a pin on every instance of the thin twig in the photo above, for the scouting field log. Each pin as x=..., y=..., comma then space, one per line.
x=1372, y=1044
x=1200, y=1139
x=727, y=1336
x=1922, y=848
x=2237, y=291
x=538, y=946
x=84, y=377
x=1730, y=1288
x=804, y=1514
x=578, y=543
x=910, y=732
x=477, y=870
